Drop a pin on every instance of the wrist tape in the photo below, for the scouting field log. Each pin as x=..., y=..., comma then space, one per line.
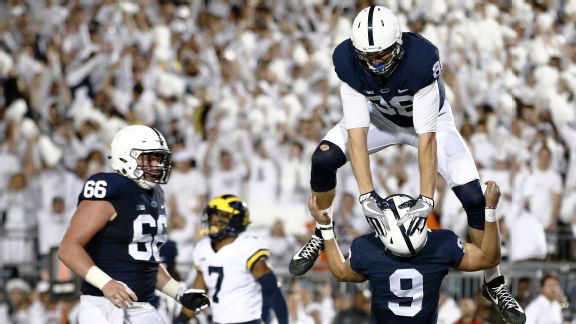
x=490, y=215
x=173, y=289
x=326, y=230
x=96, y=277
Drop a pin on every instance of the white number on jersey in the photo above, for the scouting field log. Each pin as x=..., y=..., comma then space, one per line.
x=416, y=292
x=95, y=189
x=151, y=242
x=399, y=105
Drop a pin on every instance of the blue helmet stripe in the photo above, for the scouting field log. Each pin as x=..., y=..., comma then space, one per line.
x=403, y=230
x=370, y=17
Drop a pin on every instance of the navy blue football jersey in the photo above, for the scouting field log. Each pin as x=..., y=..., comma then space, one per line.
x=393, y=97
x=128, y=247
x=406, y=290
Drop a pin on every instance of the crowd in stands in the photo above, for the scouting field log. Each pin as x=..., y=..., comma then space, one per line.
x=244, y=90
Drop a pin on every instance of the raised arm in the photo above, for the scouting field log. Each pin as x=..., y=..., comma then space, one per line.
x=339, y=267
x=488, y=255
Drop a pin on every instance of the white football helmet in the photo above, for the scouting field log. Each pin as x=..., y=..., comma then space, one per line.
x=141, y=154
x=377, y=40
x=395, y=239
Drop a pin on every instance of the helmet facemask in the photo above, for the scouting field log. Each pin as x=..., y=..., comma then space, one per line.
x=381, y=63
x=225, y=216
x=152, y=165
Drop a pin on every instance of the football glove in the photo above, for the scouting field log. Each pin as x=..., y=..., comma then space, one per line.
x=194, y=299
x=417, y=214
x=373, y=207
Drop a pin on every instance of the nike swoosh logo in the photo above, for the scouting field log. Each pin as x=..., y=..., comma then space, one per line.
x=402, y=91
x=414, y=211
x=367, y=207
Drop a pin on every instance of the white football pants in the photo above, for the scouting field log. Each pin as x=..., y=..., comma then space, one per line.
x=99, y=310
x=455, y=162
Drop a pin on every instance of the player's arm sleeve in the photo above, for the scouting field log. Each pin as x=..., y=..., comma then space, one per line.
x=355, y=107
x=426, y=108
x=273, y=298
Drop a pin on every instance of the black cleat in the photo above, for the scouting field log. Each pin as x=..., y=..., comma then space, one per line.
x=495, y=291
x=304, y=259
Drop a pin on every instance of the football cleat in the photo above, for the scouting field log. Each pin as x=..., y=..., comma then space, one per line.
x=304, y=259
x=507, y=306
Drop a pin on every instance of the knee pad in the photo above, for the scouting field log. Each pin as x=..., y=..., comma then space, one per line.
x=325, y=163
x=472, y=199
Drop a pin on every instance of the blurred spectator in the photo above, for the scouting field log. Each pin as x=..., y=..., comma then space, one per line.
x=350, y=221
x=545, y=308
x=263, y=182
x=294, y=176
x=52, y=224
x=468, y=309
x=18, y=205
x=281, y=244
x=542, y=191
x=527, y=237
x=448, y=310
x=19, y=300
x=523, y=291
x=186, y=203
x=296, y=310
x=359, y=313
x=44, y=310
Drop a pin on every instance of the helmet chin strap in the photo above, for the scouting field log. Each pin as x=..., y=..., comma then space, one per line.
x=145, y=184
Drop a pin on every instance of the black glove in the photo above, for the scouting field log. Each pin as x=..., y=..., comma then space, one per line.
x=194, y=299
x=417, y=214
x=373, y=207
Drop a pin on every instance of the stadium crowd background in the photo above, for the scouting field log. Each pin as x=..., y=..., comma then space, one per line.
x=244, y=91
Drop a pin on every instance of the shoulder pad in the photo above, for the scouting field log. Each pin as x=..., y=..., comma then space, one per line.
x=253, y=248
x=422, y=61
x=346, y=65
x=103, y=186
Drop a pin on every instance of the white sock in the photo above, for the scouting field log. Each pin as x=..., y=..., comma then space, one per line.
x=492, y=273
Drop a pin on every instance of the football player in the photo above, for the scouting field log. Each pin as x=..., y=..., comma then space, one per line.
x=392, y=93
x=232, y=266
x=406, y=271
x=115, y=235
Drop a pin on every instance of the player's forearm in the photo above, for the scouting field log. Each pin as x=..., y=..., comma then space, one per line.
x=491, y=239
x=163, y=277
x=75, y=257
x=337, y=264
x=358, y=149
x=427, y=163
x=556, y=199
